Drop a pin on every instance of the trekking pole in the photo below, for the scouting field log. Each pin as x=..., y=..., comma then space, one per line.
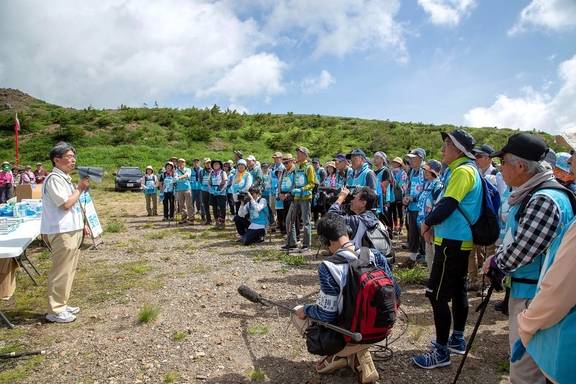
x=253, y=296
x=482, y=308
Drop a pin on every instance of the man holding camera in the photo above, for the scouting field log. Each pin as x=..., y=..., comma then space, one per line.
x=252, y=217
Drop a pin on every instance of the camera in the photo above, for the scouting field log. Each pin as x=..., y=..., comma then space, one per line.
x=244, y=197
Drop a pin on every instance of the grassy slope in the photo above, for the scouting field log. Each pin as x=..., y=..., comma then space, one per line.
x=142, y=136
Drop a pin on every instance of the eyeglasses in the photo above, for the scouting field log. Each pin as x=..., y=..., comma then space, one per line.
x=68, y=157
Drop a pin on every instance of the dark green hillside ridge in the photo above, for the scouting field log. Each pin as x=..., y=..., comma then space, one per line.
x=142, y=136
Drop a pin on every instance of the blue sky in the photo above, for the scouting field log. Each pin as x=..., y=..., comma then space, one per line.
x=470, y=62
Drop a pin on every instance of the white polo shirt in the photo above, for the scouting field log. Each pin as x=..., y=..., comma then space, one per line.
x=56, y=190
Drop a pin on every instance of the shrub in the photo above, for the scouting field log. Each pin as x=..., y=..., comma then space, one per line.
x=148, y=314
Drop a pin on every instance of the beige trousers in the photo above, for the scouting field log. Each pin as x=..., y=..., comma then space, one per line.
x=184, y=201
x=65, y=253
x=7, y=277
x=151, y=204
x=524, y=371
x=349, y=349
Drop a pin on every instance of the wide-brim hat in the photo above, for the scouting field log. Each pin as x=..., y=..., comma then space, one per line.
x=216, y=161
x=242, y=162
x=169, y=163
x=462, y=140
x=418, y=152
x=277, y=155
x=207, y=160
x=303, y=150
x=433, y=166
x=525, y=146
x=330, y=164
x=149, y=167
x=287, y=157
x=398, y=160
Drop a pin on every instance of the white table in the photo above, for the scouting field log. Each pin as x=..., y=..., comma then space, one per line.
x=14, y=244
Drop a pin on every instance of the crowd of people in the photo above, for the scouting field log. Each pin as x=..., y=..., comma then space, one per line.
x=435, y=201
x=12, y=175
x=352, y=195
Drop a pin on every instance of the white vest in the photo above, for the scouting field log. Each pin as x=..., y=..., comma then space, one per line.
x=59, y=220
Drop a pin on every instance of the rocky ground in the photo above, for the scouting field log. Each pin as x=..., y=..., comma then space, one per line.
x=159, y=304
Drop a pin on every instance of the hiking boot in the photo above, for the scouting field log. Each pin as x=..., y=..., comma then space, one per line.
x=365, y=367
x=502, y=307
x=62, y=317
x=457, y=345
x=438, y=356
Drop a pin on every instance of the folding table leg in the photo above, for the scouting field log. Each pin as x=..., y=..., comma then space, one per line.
x=21, y=264
x=25, y=256
x=5, y=319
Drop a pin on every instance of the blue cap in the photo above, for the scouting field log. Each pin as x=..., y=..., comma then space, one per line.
x=356, y=152
x=340, y=157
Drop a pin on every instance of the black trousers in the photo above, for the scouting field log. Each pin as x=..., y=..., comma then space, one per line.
x=415, y=240
x=168, y=203
x=231, y=205
x=242, y=224
x=206, y=207
x=253, y=236
x=447, y=282
x=219, y=207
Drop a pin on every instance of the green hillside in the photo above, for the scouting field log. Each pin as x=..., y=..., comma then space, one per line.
x=141, y=136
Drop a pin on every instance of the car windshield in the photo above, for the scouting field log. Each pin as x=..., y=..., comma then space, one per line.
x=130, y=172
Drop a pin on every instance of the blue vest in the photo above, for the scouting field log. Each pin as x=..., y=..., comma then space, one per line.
x=287, y=183
x=427, y=199
x=301, y=180
x=231, y=177
x=532, y=271
x=554, y=349
x=168, y=183
x=196, y=179
x=205, y=174
x=456, y=227
x=149, y=185
x=259, y=217
x=358, y=179
x=182, y=184
x=240, y=186
x=267, y=185
x=215, y=180
x=342, y=181
x=416, y=184
x=381, y=197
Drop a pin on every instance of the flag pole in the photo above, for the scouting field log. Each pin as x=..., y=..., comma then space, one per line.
x=17, y=132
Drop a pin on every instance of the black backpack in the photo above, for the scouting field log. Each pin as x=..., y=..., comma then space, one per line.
x=378, y=238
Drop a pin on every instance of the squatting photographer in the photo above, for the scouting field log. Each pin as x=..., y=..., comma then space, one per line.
x=252, y=217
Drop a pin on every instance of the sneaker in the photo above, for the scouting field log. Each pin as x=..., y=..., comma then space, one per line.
x=438, y=356
x=305, y=249
x=457, y=345
x=288, y=247
x=73, y=310
x=62, y=317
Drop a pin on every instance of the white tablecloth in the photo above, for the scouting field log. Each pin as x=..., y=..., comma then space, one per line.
x=15, y=243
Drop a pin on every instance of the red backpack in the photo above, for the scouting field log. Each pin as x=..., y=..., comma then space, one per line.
x=370, y=302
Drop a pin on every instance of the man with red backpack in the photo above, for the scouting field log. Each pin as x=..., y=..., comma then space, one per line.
x=355, y=293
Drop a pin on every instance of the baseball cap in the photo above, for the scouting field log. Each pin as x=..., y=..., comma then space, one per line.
x=524, y=145
x=241, y=162
x=206, y=160
x=277, y=155
x=356, y=152
x=462, y=140
x=340, y=157
x=287, y=156
x=484, y=149
x=251, y=158
x=433, y=166
x=421, y=153
x=302, y=149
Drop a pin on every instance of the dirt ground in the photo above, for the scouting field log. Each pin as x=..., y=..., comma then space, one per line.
x=204, y=331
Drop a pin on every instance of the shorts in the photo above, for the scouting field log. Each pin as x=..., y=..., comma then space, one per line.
x=449, y=271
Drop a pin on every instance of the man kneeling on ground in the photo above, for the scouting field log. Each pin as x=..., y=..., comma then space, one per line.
x=252, y=217
x=333, y=232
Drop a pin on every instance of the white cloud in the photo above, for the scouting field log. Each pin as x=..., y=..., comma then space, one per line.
x=340, y=27
x=533, y=110
x=318, y=83
x=259, y=74
x=126, y=51
x=554, y=15
x=447, y=12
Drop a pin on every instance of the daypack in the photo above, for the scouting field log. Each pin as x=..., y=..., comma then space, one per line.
x=369, y=299
x=486, y=230
x=378, y=238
